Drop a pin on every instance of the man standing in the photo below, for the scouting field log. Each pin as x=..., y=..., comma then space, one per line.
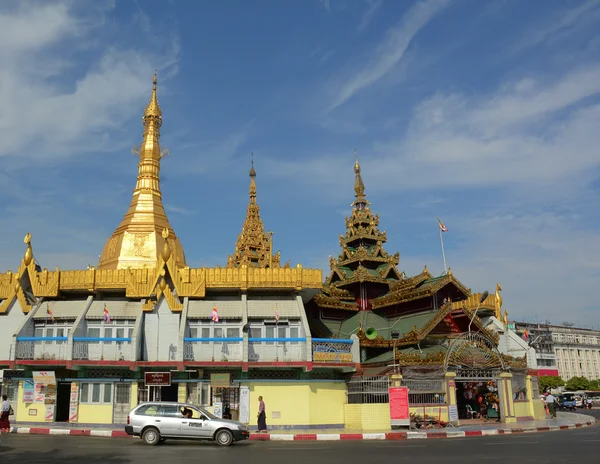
x=262, y=416
x=551, y=402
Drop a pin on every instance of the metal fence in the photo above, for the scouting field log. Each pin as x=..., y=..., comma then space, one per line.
x=368, y=390
x=425, y=391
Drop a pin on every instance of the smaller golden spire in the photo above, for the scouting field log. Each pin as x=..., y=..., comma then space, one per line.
x=153, y=108
x=252, y=182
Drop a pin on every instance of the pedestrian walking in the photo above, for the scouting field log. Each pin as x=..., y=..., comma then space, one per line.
x=262, y=416
x=551, y=402
x=5, y=412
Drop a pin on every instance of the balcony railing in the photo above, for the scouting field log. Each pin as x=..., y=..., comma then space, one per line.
x=213, y=349
x=328, y=350
x=102, y=349
x=276, y=349
x=41, y=348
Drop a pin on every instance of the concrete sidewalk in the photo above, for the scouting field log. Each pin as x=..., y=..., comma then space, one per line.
x=564, y=421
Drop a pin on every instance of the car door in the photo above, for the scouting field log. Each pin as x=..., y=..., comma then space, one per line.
x=198, y=426
x=169, y=420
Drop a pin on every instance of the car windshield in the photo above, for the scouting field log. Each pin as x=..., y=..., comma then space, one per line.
x=568, y=397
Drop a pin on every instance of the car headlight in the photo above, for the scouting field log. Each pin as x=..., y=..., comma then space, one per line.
x=242, y=427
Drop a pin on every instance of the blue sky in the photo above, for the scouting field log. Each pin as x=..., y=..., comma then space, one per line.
x=486, y=114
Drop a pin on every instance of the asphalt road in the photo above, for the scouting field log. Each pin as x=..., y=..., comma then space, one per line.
x=574, y=446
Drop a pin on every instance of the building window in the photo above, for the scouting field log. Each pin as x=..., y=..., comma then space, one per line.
x=95, y=393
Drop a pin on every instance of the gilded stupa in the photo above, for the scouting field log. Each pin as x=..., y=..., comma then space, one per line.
x=138, y=240
x=254, y=246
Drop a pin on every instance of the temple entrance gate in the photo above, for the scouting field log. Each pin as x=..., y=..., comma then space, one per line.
x=477, y=363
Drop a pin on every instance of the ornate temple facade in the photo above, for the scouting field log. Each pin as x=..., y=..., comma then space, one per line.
x=86, y=346
x=206, y=333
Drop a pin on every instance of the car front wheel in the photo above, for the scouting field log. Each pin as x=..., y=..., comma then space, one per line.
x=224, y=438
x=151, y=437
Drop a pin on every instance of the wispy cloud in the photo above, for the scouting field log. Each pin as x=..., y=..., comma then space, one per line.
x=326, y=4
x=178, y=210
x=390, y=51
x=559, y=24
x=368, y=16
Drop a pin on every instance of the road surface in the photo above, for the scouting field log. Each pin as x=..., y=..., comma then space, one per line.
x=579, y=446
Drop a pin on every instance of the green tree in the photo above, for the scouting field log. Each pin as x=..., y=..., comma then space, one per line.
x=578, y=383
x=550, y=382
x=594, y=385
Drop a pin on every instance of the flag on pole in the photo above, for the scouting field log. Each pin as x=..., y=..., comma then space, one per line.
x=276, y=313
x=49, y=311
x=106, y=315
x=443, y=228
x=525, y=335
x=214, y=315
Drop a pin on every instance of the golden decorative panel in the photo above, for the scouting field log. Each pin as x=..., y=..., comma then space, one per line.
x=163, y=278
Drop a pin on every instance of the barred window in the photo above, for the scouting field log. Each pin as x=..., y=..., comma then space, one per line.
x=425, y=391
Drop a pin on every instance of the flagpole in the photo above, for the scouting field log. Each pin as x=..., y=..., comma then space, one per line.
x=443, y=253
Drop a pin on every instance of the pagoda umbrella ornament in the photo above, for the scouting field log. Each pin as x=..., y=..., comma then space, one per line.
x=484, y=295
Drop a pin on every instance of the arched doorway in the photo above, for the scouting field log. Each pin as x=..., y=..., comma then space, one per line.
x=477, y=363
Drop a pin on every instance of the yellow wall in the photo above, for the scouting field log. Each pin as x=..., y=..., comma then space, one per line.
x=367, y=416
x=299, y=403
x=134, y=394
x=522, y=409
x=23, y=409
x=327, y=402
x=95, y=413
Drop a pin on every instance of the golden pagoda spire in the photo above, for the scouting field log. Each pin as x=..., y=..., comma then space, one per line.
x=254, y=245
x=138, y=241
x=359, y=186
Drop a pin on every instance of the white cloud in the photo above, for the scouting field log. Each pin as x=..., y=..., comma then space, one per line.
x=57, y=102
x=389, y=52
x=368, y=16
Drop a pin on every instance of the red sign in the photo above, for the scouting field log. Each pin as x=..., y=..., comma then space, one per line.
x=157, y=379
x=553, y=372
x=399, y=410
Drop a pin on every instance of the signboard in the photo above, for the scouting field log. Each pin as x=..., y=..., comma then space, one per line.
x=49, y=413
x=1, y=375
x=44, y=390
x=220, y=380
x=244, y=405
x=157, y=379
x=28, y=391
x=218, y=409
x=73, y=404
x=453, y=413
x=399, y=408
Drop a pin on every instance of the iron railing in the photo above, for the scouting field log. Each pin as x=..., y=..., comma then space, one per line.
x=41, y=348
x=276, y=349
x=425, y=391
x=102, y=349
x=368, y=390
x=213, y=349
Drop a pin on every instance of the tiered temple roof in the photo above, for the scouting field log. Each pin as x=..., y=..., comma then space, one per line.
x=254, y=247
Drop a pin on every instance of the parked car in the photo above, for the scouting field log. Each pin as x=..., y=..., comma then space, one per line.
x=155, y=422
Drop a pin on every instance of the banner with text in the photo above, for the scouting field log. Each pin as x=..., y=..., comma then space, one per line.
x=399, y=407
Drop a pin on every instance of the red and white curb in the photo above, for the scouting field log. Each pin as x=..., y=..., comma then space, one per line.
x=404, y=435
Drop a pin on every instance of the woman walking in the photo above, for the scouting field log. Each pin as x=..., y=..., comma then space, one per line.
x=5, y=410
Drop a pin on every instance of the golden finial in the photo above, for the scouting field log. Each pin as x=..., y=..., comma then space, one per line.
x=359, y=186
x=27, y=238
x=153, y=109
x=252, y=181
x=449, y=272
